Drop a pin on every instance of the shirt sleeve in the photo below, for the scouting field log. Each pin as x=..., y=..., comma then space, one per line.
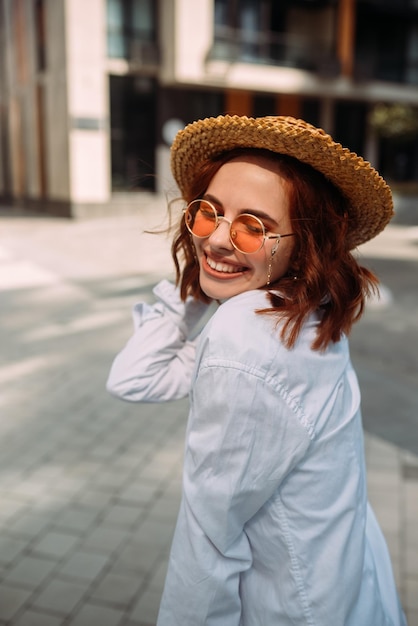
x=244, y=438
x=157, y=362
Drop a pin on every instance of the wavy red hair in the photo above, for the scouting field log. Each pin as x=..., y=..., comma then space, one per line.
x=323, y=272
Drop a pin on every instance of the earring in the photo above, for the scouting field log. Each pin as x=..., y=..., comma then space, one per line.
x=269, y=273
x=270, y=267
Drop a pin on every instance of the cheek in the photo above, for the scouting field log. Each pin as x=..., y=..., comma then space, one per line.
x=259, y=262
x=289, y=252
x=283, y=261
x=197, y=243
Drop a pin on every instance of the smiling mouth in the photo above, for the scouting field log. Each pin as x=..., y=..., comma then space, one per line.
x=225, y=268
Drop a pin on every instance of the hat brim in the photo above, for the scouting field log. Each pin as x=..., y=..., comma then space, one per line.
x=369, y=197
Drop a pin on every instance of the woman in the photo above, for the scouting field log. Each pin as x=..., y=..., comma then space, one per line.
x=274, y=526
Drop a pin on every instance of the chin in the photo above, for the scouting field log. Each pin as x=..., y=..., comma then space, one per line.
x=224, y=289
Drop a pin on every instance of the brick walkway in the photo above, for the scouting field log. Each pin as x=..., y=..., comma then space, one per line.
x=90, y=485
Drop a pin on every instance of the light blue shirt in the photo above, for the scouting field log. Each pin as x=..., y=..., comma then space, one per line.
x=274, y=526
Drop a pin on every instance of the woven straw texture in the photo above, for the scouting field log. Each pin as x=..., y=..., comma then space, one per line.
x=370, y=198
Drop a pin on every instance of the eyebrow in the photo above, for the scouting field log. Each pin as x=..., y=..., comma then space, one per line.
x=260, y=214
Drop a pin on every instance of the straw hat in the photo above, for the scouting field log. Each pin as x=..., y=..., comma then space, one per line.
x=370, y=198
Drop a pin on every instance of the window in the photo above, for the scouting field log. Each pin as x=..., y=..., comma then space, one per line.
x=412, y=56
x=131, y=30
x=294, y=33
x=375, y=59
x=133, y=106
x=238, y=24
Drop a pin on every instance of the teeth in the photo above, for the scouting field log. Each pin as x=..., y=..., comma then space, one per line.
x=223, y=267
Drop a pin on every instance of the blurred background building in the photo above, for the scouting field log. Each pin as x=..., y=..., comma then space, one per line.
x=93, y=91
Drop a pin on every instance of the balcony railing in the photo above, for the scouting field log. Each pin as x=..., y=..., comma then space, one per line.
x=371, y=66
x=234, y=45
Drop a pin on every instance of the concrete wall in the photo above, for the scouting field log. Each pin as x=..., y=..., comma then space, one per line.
x=87, y=100
x=194, y=37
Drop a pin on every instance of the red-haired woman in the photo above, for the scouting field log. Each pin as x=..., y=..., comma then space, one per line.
x=274, y=526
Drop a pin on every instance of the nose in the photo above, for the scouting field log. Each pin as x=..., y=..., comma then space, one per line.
x=220, y=238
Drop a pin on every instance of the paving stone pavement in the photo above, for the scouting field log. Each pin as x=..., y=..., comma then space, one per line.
x=90, y=485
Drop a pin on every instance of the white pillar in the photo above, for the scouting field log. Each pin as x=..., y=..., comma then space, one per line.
x=88, y=97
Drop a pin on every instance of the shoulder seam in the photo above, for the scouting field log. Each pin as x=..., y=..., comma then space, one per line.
x=271, y=381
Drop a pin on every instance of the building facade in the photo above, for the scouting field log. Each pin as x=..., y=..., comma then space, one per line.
x=93, y=92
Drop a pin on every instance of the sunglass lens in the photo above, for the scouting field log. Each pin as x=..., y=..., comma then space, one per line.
x=201, y=219
x=247, y=233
